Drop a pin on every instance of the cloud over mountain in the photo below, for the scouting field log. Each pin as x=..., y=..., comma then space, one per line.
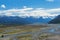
x=34, y=12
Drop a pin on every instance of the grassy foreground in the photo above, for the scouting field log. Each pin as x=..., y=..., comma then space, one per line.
x=25, y=32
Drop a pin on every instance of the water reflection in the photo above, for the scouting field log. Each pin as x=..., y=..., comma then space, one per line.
x=55, y=30
x=52, y=30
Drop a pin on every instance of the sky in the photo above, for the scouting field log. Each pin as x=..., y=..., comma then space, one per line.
x=27, y=8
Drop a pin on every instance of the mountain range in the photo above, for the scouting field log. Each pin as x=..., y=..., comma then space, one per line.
x=9, y=20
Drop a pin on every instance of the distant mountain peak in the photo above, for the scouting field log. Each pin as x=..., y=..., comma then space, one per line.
x=20, y=20
x=44, y=17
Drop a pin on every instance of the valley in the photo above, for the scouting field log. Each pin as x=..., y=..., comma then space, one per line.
x=31, y=32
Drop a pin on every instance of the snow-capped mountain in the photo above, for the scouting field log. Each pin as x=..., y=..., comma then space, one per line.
x=27, y=15
x=23, y=20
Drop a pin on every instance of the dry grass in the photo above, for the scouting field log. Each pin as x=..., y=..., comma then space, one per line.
x=21, y=29
x=25, y=37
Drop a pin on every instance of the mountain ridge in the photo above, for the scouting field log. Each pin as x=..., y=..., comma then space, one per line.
x=19, y=20
x=56, y=20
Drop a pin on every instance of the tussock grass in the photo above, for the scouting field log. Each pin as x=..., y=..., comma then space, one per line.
x=25, y=37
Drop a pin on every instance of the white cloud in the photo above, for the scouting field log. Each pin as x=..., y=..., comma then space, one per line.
x=24, y=6
x=3, y=6
x=34, y=12
x=50, y=0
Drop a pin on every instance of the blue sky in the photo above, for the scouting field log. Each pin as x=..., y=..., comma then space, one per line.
x=30, y=3
x=27, y=8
